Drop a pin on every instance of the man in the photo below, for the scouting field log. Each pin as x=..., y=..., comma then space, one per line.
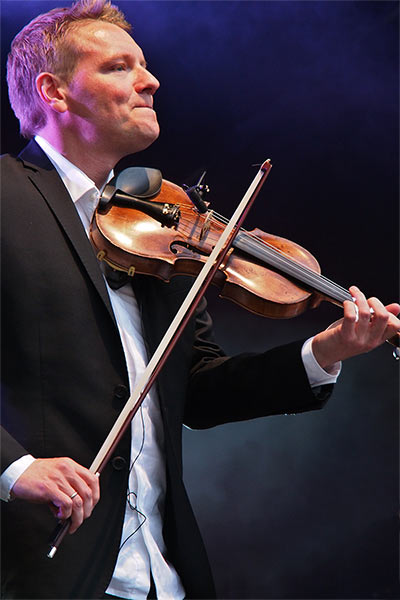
x=75, y=346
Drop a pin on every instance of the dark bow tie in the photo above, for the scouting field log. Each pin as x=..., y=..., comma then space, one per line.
x=115, y=279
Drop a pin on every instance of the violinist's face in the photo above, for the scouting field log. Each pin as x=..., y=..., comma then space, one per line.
x=110, y=94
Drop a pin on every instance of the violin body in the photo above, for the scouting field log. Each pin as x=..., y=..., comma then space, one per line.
x=131, y=241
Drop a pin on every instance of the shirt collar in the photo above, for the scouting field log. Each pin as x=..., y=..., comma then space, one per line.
x=76, y=181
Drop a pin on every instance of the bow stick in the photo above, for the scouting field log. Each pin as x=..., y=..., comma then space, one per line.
x=170, y=338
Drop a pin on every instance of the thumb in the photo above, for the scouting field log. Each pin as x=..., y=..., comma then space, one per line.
x=334, y=324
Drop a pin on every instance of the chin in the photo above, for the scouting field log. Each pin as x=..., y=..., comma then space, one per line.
x=135, y=139
x=143, y=141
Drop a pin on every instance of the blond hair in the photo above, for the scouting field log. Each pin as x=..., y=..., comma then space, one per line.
x=45, y=44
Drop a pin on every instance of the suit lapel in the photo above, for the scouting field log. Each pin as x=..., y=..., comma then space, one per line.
x=45, y=178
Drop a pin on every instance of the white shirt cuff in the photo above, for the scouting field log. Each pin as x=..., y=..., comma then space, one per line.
x=315, y=373
x=11, y=474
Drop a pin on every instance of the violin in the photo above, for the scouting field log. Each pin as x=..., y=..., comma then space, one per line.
x=265, y=274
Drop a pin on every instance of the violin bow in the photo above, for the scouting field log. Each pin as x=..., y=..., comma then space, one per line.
x=170, y=338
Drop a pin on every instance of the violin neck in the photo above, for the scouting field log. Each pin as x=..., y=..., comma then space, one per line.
x=273, y=258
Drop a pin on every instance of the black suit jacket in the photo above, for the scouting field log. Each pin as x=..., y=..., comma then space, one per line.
x=64, y=381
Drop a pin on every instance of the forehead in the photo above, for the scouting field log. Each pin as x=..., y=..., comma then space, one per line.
x=100, y=40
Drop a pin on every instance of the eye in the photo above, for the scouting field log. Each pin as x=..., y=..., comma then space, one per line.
x=119, y=67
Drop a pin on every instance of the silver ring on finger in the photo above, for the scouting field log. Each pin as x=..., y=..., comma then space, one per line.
x=73, y=495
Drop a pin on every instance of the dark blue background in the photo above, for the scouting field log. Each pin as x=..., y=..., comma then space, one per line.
x=305, y=506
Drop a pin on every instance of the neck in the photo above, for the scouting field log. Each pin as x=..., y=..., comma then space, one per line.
x=93, y=160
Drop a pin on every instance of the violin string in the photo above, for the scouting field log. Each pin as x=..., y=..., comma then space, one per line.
x=331, y=286
x=293, y=267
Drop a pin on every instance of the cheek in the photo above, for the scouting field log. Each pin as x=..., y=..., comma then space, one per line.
x=84, y=96
x=110, y=99
x=104, y=99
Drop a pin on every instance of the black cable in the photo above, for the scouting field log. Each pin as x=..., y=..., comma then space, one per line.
x=130, y=493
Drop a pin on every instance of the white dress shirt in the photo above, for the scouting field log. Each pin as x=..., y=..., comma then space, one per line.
x=142, y=546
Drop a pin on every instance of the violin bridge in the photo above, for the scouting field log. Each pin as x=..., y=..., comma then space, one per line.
x=206, y=225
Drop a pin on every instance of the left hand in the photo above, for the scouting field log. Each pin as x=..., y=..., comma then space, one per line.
x=354, y=335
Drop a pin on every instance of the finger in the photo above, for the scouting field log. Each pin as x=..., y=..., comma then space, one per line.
x=393, y=326
x=388, y=315
x=364, y=312
x=394, y=308
x=61, y=504
x=82, y=481
x=91, y=480
x=378, y=321
x=84, y=493
x=69, y=505
x=350, y=319
x=77, y=514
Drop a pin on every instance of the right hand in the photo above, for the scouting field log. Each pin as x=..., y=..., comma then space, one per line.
x=54, y=481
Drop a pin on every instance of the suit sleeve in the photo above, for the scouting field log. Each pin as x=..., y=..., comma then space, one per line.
x=11, y=450
x=225, y=389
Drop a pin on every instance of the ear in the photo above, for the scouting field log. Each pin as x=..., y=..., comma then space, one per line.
x=51, y=92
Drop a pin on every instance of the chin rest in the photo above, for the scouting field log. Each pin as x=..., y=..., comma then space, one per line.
x=141, y=182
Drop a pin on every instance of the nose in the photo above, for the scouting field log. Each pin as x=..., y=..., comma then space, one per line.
x=146, y=82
